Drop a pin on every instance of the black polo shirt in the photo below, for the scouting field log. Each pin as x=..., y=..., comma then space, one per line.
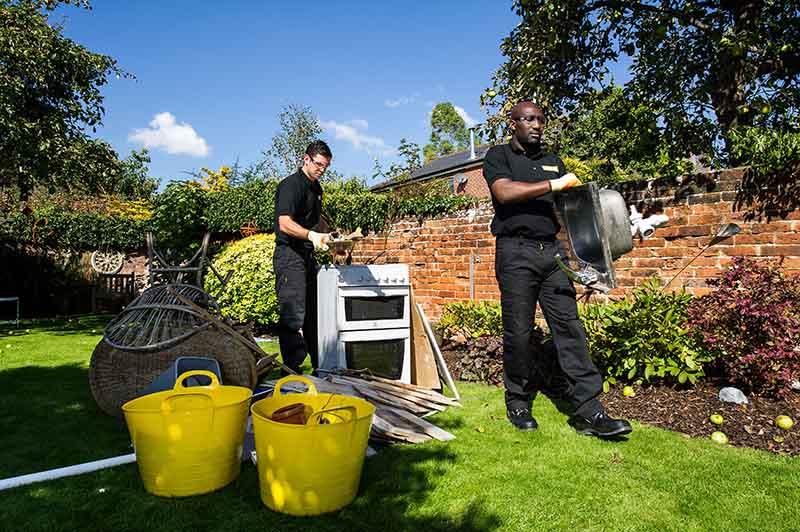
x=536, y=217
x=301, y=198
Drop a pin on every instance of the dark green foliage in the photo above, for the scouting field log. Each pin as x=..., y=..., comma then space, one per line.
x=49, y=100
x=707, y=67
x=599, y=134
x=644, y=337
x=752, y=321
x=449, y=132
x=178, y=221
x=471, y=319
x=230, y=208
x=771, y=186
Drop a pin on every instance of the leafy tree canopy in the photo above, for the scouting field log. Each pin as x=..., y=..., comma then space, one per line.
x=449, y=132
x=599, y=133
x=49, y=98
x=298, y=127
x=706, y=67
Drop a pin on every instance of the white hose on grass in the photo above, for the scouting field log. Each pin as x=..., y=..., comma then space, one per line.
x=68, y=471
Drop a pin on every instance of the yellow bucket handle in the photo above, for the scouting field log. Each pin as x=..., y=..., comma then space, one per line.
x=180, y=391
x=191, y=373
x=318, y=414
x=312, y=389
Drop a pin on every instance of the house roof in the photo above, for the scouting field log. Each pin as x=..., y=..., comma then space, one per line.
x=442, y=166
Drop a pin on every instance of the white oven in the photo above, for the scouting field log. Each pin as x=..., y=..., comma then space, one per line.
x=364, y=319
x=372, y=307
x=384, y=352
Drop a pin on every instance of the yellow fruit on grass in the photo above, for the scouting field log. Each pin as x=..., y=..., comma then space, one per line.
x=784, y=422
x=628, y=391
x=719, y=437
x=716, y=419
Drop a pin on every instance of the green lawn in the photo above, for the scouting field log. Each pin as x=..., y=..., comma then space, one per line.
x=492, y=479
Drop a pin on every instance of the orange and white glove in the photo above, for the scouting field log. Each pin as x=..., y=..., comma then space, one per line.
x=564, y=182
x=320, y=240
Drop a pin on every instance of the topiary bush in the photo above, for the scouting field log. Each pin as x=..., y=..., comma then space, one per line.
x=752, y=321
x=644, y=337
x=250, y=293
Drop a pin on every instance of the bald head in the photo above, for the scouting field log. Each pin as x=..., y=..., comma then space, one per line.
x=527, y=124
x=518, y=109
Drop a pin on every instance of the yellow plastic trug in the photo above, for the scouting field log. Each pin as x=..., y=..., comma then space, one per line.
x=189, y=440
x=314, y=468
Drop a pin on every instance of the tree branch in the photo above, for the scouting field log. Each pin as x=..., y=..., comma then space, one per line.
x=789, y=63
x=639, y=7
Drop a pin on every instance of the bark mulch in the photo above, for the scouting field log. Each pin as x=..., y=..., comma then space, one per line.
x=682, y=409
x=688, y=411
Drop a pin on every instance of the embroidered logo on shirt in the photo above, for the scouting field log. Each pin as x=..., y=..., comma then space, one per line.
x=549, y=168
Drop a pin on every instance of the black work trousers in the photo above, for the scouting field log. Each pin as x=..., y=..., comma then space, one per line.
x=296, y=286
x=526, y=273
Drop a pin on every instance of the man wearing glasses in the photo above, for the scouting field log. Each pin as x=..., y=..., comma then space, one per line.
x=522, y=178
x=298, y=202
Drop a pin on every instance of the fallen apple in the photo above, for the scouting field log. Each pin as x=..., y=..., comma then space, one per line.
x=716, y=419
x=627, y=391
x=784, y=422
x=719, y=437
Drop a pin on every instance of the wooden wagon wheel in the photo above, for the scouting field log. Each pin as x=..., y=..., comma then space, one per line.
x=107, y=261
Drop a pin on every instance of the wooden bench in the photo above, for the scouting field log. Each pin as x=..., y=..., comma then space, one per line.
x=113, y=291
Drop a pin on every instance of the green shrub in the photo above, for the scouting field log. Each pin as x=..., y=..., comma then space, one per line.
x=230, y=208
x=250, y=294
x=471, y=319
x=178, y=220
x=644, y=337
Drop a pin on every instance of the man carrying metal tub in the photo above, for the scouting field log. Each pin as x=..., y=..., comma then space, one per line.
x=298, y=202
x=522, y=178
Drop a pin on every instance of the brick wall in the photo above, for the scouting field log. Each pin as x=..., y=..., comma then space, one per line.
x=438, y=251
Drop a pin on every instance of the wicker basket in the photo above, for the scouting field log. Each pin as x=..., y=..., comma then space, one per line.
x=117, y=376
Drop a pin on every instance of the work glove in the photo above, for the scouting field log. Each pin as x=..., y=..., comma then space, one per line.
x=564, y=182
x=320, y=240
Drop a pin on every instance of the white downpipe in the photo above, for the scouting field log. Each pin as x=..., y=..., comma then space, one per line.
x=68, y=471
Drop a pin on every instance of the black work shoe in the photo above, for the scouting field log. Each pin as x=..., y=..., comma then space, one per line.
x=600, y=424
x=522, y=419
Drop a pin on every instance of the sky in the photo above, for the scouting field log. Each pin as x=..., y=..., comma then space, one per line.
x=212, y=77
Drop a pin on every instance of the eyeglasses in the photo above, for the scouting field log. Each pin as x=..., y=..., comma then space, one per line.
x=320, y=165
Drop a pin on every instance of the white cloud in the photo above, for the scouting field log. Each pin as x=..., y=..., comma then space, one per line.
x=465, y=117
x=359, y=124
x=359, y=140
x=403, y=100
x=165, y=133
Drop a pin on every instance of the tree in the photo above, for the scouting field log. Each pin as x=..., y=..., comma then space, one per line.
x=449, y=132
x=707, y=67
x=133, y=181
x=298, y=127
x=409, y=152
x=49, y=97
x=598, y=133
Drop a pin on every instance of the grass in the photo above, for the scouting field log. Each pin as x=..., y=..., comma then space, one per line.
x=489, y=478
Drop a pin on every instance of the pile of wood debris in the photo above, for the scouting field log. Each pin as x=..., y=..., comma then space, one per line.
x=399, y=408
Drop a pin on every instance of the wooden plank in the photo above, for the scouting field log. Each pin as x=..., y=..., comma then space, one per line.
x=422, y=393
x=448, y=379
x=400, y=394
x=369, y=393
x=428, y=427
x=423, y=364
